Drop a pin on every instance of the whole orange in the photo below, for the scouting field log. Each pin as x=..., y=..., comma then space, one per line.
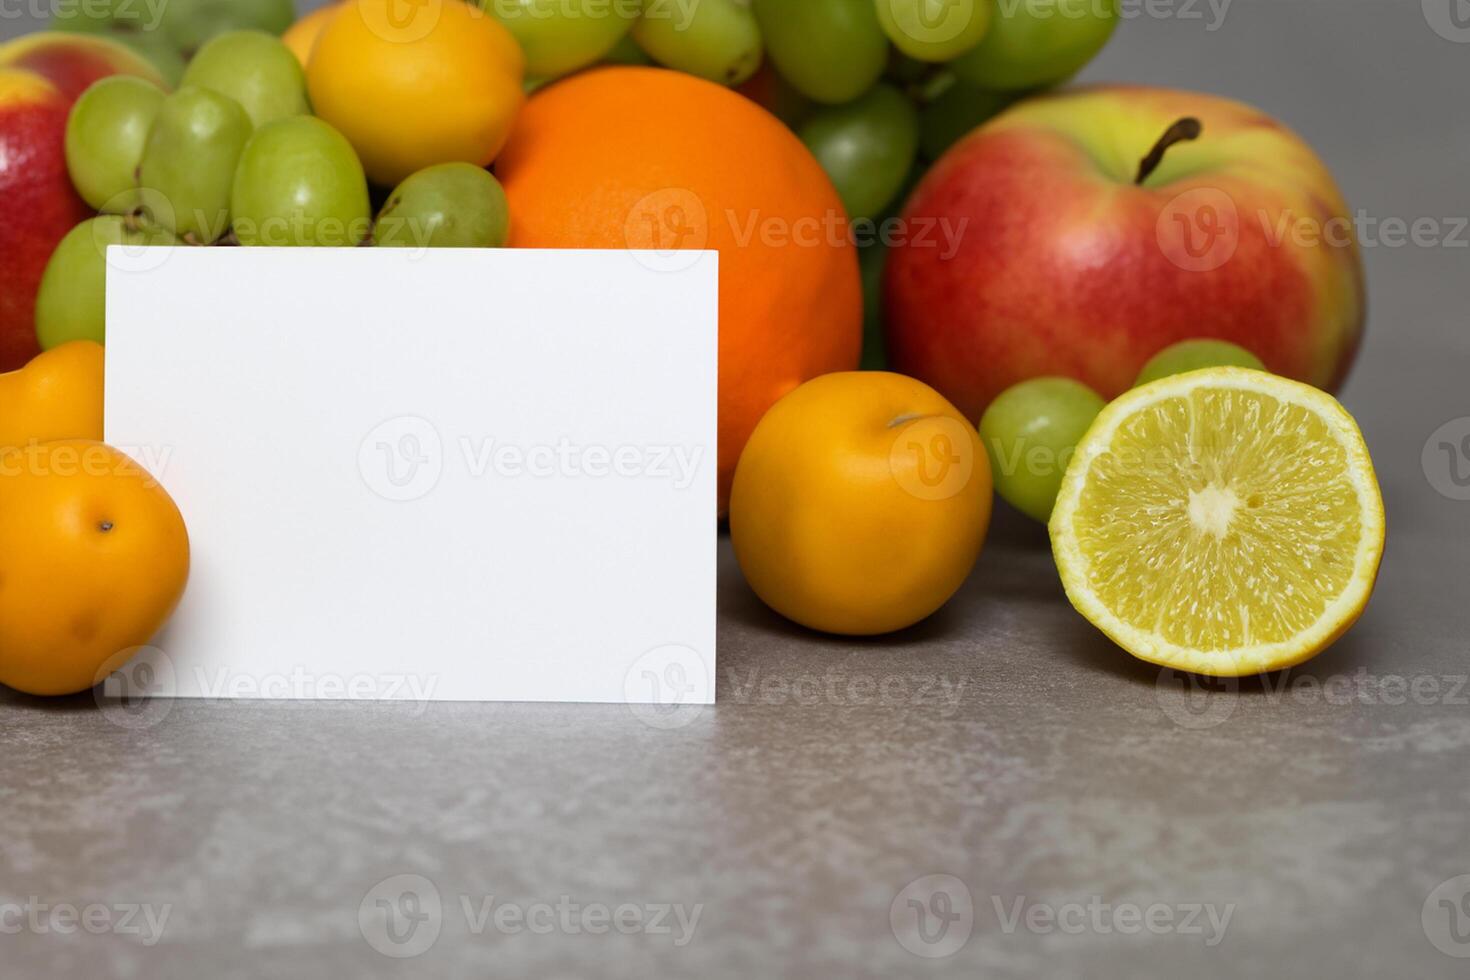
x=629, y=157
x=412, y=85
x=93, y=559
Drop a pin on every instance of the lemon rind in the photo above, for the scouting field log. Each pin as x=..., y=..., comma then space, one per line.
x=1236, y=661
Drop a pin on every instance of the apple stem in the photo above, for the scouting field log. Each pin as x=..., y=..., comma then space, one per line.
x=1185, y=129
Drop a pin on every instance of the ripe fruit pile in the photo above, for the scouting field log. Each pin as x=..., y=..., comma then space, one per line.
x=842, y=158
x=235, y=156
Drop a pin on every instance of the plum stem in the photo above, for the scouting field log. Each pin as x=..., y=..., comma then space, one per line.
x=1185, y=129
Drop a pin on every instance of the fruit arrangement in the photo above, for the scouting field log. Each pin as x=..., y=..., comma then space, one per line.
x=901, y=184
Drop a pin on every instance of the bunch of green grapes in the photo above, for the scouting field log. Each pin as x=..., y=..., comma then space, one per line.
x=233, y=156
x=874, y=87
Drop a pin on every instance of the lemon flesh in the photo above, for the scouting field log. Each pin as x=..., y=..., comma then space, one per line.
x=1224, y=522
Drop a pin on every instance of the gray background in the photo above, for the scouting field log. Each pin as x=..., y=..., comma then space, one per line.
x=1002, y=742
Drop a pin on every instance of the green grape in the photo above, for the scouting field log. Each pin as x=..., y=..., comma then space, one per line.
x=71, y=300
x=871, y=260
x=159, y=51
x=1030, y=432
x=955, y=113
x=714, y=39
x=189, y=162
x=1033, y=43
x=105, y=134
x=1194, y=355
x=560, y=36
x=830, y=50
x=300, y=183
x=866, y=147
x=449, y=205
x=256, y=70
x=934, y=30
x=190, y=23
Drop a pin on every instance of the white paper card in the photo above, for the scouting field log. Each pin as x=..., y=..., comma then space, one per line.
x=442, y=474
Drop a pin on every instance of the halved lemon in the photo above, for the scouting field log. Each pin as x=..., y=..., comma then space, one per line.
x=1224, y=522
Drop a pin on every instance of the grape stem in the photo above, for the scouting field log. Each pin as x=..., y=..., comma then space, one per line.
x=934, y=82
x=1185, y=129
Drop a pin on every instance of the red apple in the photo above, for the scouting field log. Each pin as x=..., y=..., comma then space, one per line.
x=1044, y=243
x=40, y=76
x=40, y=204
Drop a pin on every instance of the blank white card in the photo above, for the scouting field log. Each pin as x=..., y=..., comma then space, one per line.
x=439, y=474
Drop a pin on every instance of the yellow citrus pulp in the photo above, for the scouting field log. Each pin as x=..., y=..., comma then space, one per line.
x=1224, y=522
